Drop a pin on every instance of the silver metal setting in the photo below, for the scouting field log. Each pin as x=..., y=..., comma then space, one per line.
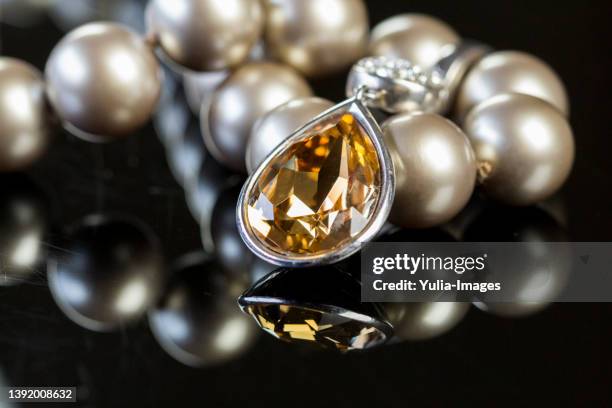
x=454, y=67
x=356, y=106
x=395, y=85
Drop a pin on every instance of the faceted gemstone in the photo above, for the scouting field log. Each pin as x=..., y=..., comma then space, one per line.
x=299, y=324
x=320, y=192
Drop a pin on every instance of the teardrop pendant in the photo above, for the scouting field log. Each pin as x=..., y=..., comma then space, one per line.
x=321, y=193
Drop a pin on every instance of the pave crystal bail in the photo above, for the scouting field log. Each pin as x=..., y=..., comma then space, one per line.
x=395, y=85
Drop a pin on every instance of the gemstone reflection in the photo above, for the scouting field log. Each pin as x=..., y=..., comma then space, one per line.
x=320, y=193
x=300, y=324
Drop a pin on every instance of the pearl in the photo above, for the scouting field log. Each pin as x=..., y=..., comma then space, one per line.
x=108, y=273
x=317, y=37
x=180, y=133
x=275, y=126
x=202, y=194
x=421, y=39
x=197, y=321
x=426, y=320
x=23, y=227
x=206, y=35
x=172, y=115
x=510, y=72
x=199, y=86
x=24, y=117
x=524, y=146
x=250, y=92
x=186, y=155
x=103, y=81
x=435, y=169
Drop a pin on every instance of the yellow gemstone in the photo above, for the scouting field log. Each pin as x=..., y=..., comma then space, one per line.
x=299, y=324
x=320, y=193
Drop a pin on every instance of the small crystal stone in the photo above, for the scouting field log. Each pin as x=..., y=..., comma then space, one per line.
x=397, y=68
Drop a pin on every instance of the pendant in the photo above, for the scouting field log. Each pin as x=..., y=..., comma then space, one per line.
x=329, y=187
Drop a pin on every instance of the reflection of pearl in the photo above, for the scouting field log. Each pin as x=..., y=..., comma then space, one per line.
x=26, y=250
x=24, y=119
x=545, y=270
x=197, y=321
x=422, y=321
x=4, y=401
x=23, y=226
x=109, y=273
x=233, y=334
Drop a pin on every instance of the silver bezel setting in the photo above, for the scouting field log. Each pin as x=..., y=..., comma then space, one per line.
x=357, y=108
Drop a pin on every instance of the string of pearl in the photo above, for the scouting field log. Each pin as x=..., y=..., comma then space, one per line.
x=102, y=82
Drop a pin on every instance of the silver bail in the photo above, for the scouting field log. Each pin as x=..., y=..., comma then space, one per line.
x=395, y=85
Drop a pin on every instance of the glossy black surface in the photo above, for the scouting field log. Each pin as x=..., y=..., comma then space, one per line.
x=557, y=356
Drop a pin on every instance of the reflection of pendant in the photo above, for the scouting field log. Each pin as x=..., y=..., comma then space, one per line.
x=308, y=308
x=329, y=186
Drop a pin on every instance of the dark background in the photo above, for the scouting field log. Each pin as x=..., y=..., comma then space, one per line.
x=559, y=356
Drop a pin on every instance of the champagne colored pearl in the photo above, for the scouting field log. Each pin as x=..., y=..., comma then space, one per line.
x=200, y=86
x=275, y=126
x=103, y=81
x=435, y=169
x=24, y=118
x=510, y=72
x=524, y=146
x=206, y=35
x=317, y=37
x=421, y=39
x=426, y=320
x=250, y=92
